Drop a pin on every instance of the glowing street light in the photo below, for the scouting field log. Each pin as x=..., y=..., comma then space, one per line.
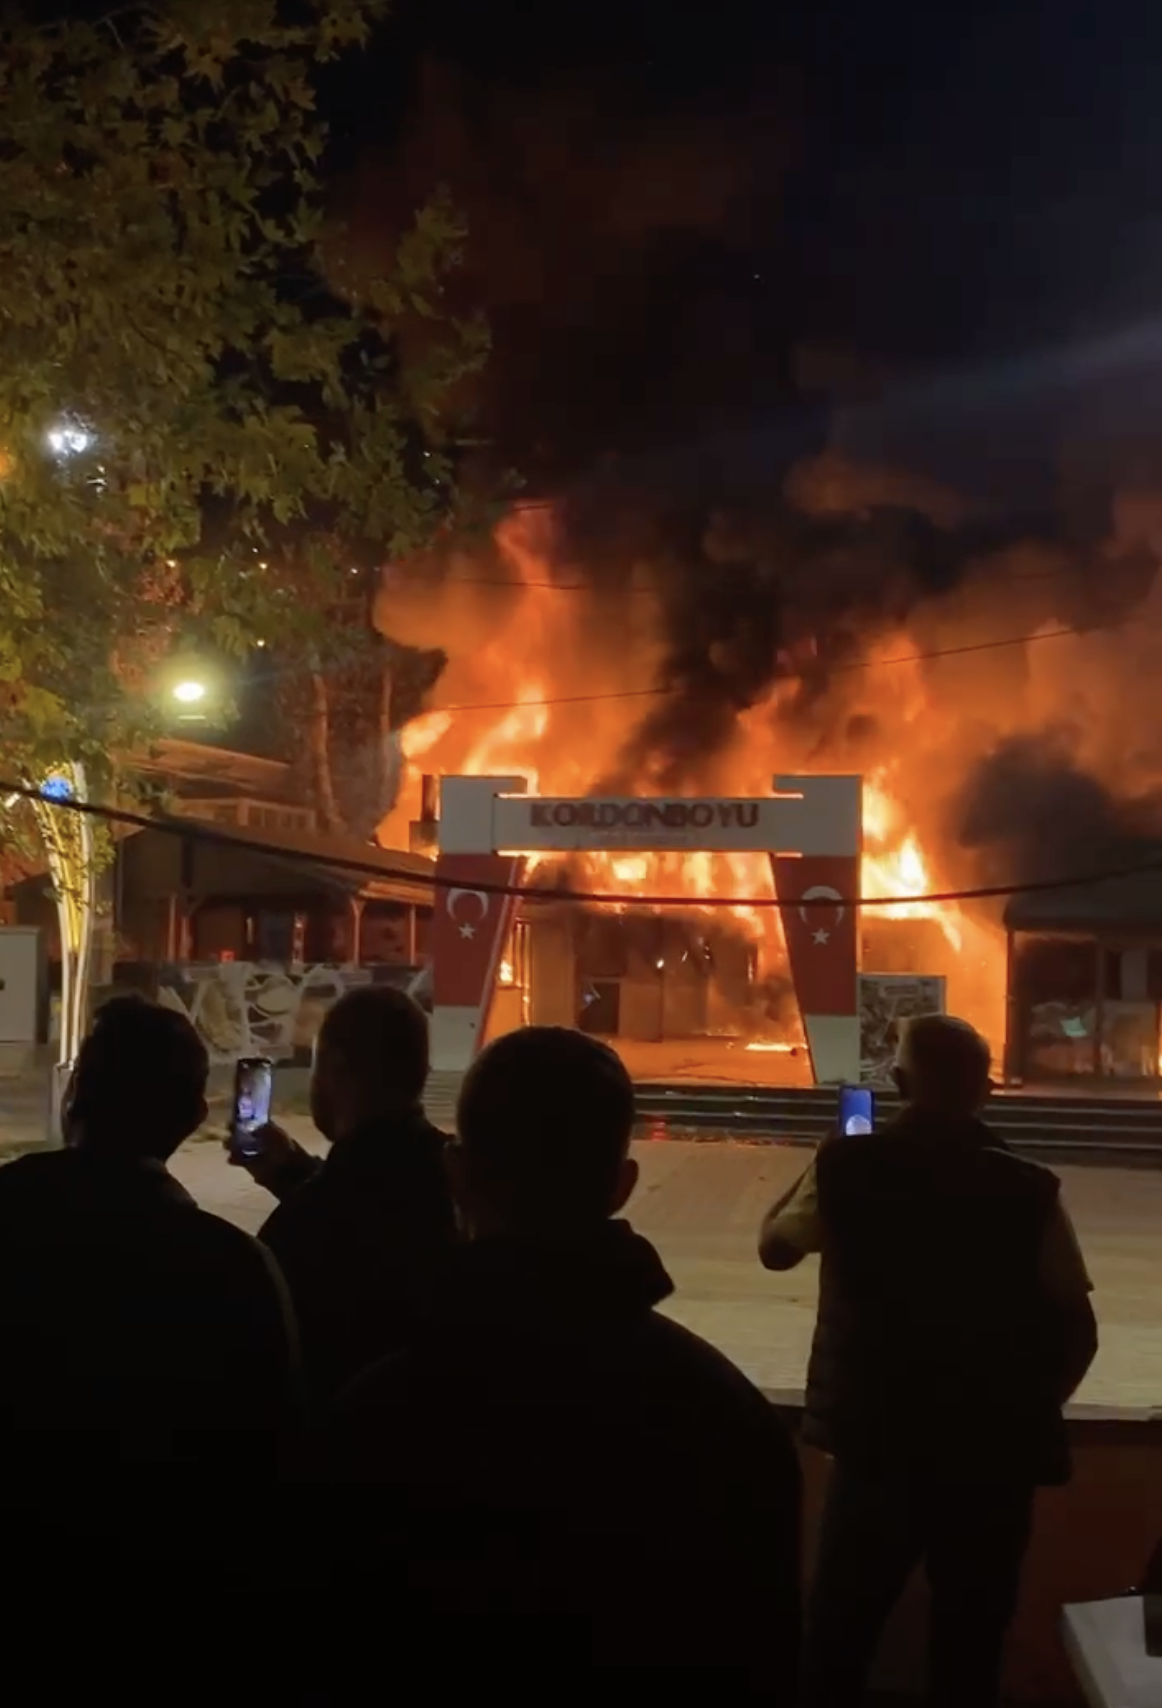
x=191, y=688
x=69, y=440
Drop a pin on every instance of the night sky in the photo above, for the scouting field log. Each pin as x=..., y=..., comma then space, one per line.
x=925, y=238
x=689, y=235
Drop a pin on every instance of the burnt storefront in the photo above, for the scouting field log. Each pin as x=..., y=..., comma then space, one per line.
x=639, y=976
x=1084, y=984
x=649, y=978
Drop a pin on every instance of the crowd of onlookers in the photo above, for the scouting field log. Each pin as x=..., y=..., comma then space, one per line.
x=438, y=1384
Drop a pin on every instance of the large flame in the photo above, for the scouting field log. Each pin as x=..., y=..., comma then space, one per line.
x=894, y=863
x=547, y=692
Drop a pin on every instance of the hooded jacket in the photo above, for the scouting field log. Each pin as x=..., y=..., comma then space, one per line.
x=584, y=1474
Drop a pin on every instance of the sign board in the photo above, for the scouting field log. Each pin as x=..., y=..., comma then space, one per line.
x=887, y=1002
x=780, y=823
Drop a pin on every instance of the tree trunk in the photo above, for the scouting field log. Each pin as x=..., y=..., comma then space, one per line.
x=319, y=736
x=390, y=754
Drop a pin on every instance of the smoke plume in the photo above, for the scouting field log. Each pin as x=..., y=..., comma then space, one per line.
x=745, y=578
x=1034, y=814
x=846, y=617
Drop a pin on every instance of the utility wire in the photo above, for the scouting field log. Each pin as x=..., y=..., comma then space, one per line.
x=658, y=692
x=661, y=693
x=195, y=832
x=258, y=678
x=835, y=670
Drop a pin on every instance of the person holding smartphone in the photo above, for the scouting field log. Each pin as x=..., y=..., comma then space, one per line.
x=356, y=1231
x=954, y=1323
x=145, y=1344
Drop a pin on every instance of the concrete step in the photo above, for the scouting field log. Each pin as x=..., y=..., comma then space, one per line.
x=1066, y=1124
x=1041, y=1123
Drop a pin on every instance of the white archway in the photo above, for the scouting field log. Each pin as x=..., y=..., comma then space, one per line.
x=809, y=826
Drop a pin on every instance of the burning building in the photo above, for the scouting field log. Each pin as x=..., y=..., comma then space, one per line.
x=902, y=644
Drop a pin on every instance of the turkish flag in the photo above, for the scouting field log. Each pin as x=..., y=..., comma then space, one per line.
x=469, y=928
x=821, y=929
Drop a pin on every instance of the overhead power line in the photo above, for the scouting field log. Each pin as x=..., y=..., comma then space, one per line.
x=834, y=670
x=659, y=693
x=195, y=832
x=401, y=583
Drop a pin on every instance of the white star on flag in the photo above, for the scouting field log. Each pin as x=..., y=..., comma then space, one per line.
x=467, y=931
x=822, y=937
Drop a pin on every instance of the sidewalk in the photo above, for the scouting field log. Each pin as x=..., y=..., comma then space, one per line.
x=702, y=1205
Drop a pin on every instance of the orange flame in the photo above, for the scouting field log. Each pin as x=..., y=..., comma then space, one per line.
x=423, y=733
x=548, y=685
x=894, y=864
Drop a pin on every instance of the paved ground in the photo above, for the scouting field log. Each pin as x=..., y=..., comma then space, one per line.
x=702, y=1204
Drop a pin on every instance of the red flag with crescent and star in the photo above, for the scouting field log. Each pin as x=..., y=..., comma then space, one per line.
x=470, y=927
x=821, y=929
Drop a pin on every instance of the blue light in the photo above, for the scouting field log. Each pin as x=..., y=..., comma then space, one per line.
x=57, y=789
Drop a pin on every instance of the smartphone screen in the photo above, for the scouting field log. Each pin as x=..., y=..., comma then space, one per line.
x=253, y=1089
x=857, y=1109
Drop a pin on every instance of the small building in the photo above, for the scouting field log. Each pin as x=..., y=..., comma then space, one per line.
x=631, y=975
x=255, y=922
x=225, y=787
x=644, y=977
x=245, y=893
x=254, y=933
x=262, y=882
x=1085, y=978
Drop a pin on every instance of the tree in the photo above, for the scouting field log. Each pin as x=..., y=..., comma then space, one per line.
x=341, y=702
x=190, y=416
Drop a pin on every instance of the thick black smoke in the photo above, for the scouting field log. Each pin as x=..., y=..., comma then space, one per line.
x=1031, y=813
x=796, y=582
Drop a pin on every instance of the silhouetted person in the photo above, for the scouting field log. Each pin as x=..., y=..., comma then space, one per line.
x=954, y=1323
x=147, y=1348
x=574, y=1478
x=356, y=1233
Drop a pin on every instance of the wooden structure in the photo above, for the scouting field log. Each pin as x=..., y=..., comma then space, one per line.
x=1084, y=981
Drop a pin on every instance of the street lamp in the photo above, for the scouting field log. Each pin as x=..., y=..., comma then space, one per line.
x=69, y=439
x=191, y=688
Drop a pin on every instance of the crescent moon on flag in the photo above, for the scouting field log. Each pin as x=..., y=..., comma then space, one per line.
x=477, y=895
x=821, y=892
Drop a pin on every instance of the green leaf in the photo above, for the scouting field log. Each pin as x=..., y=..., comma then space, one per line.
x=236, y=448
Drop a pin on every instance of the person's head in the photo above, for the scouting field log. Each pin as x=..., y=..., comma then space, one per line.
x=545, y=1118
x=943, y=1064
x=139, y=1084
x=371, y=1059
